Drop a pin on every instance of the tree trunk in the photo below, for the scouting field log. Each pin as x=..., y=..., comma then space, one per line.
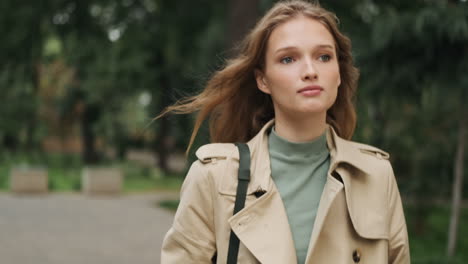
x=32, y=122
x=90, y=116
x=161, y=145
x=10, y=141
x=457, y=186
x=120, y=141
x=163, y=125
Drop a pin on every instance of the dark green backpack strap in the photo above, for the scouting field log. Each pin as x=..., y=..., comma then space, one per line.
x=243, y=182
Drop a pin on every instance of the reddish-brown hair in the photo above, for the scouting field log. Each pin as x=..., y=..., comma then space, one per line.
x=237, y=109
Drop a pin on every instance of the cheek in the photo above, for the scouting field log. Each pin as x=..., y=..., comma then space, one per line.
x=338, y=78
x=334, y=81
x=334, y=77
x=279, y=80
x=337, y=83
x=336, y=74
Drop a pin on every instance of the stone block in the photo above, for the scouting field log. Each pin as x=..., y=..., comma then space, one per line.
x=29, y=180
x=101, y=180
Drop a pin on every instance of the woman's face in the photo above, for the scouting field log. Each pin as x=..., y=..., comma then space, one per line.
x=301, y=70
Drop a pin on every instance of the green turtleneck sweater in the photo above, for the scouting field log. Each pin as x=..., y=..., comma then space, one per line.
x=299, y=171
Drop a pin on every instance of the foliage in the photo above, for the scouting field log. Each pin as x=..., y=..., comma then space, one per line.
x=15, y=88
x=407, y=89
x=429, y=247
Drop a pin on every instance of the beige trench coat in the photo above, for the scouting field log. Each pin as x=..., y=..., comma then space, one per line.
x=359, y=220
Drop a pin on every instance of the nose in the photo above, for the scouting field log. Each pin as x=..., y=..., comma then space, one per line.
x=309, y=71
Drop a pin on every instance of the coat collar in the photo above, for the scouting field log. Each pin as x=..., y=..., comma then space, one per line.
x=341, y=151
x=344, y=151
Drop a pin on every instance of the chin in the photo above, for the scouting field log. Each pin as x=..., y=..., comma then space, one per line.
x=314, y=109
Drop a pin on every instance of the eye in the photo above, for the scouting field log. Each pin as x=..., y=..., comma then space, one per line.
x=325, y=58
x=286, y=60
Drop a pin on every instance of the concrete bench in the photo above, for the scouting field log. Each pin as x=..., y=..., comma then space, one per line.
x=101, y=180
x=29, y=180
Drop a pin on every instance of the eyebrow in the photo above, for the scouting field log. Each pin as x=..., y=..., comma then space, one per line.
x=293, y=47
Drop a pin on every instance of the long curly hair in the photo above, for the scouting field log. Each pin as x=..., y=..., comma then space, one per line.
x=237, y=109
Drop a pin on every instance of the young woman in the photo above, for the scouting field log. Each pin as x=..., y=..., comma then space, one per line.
x=314, y=196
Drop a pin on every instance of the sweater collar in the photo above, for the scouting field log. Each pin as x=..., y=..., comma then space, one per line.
x=310, y=150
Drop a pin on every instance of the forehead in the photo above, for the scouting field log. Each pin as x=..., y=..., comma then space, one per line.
x=300, y=32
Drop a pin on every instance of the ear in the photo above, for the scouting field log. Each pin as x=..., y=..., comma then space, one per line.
x=261, y=82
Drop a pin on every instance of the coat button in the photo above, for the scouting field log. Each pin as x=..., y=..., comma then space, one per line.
x=356, y=256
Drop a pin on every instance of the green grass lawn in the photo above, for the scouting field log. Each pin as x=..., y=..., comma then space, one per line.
x=169, y=204
x=428, y=238
x=64, y=173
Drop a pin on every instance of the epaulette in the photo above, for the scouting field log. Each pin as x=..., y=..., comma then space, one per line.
x=211, y=153
x=376, y=152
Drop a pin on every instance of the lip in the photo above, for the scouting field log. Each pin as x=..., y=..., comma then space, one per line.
x=311, y=90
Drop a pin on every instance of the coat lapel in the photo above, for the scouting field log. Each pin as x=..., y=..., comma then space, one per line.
x=359, y=170
x=331, y=189
x=262, y=226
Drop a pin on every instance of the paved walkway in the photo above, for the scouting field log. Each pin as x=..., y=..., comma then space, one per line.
x=71, y=228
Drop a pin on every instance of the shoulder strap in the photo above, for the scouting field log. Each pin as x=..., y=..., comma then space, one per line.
x=243, y=182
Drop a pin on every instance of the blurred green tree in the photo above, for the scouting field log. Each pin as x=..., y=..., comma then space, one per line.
x=414, y=90
x=23, y=26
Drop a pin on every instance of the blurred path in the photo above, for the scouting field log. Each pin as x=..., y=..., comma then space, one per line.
x=71, y=228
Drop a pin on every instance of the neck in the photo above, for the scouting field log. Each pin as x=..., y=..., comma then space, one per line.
x=300, y=129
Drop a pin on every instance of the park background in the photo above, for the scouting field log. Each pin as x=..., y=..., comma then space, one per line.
x=82, y=80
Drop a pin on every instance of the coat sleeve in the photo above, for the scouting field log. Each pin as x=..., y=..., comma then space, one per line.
x=191, y=238
x=398, y=251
